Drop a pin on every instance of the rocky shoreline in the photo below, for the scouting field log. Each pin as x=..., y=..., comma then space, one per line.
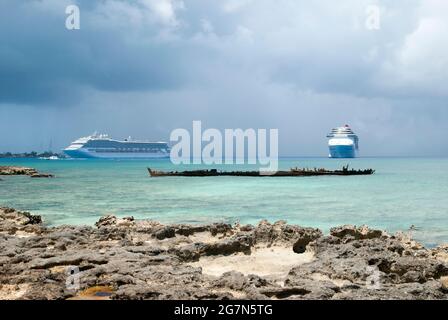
x=124, y=258
x=23, y=171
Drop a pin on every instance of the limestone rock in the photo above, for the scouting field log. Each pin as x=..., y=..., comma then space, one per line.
x=144, y=259
x=357, y=233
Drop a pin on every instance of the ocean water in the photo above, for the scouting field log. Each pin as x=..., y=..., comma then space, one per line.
x=402, y=192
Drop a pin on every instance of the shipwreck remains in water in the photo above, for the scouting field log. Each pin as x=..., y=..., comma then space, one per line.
x=293, y=172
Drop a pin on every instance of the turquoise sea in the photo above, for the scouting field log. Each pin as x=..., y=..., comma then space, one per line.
x=402, y=192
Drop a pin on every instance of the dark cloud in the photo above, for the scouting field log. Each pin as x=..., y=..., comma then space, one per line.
x=44, y=63
x=145, y=67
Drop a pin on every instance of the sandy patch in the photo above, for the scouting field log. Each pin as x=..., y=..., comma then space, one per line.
x=24, y=234
x=58, y=269
x=273, y=262
x=442, y=256
x=13, y=291
x=204, y=237
x=338, y=282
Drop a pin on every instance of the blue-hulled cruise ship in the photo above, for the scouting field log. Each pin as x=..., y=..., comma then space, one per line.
x=342, y=143
x=102, y=146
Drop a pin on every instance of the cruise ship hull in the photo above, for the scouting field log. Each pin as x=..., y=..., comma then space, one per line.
x=85, y=154
x=342, y=143
x=342, y=151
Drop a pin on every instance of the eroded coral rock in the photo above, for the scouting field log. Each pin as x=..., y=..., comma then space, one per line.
x=362, y=232
x=124, y=258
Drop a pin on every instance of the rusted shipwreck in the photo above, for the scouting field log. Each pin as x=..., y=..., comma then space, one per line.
x=293, y=172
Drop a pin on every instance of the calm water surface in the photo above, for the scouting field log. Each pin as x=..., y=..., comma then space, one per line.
x=403, y=192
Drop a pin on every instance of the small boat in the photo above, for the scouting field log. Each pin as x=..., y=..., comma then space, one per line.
x=49, y=158
x=293, y=172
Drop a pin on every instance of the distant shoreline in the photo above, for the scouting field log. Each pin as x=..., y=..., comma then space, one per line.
x=30, y=155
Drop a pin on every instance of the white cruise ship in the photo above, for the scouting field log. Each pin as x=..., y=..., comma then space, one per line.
x=342, y=143
x=102, y=146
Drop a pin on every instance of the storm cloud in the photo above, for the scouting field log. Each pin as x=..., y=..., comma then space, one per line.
x=146, y=67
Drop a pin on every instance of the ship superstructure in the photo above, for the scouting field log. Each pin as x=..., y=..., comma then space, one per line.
x=102, y=146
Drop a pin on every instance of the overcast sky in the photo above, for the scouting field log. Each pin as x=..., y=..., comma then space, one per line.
x=145, y=67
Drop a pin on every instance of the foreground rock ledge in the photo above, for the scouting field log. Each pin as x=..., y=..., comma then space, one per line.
x=129, y=259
